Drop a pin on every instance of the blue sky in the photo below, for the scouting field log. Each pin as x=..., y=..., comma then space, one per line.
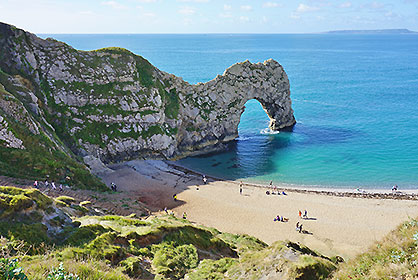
x=207, y=16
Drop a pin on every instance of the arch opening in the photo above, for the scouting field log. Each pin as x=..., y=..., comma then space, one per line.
x=254, y=119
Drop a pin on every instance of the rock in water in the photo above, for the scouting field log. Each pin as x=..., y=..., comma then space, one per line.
x=115, y=105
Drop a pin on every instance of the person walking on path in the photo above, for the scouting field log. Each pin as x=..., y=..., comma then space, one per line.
x=240, y=188
x=35, y=184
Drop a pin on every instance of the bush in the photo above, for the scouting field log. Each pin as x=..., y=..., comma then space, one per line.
x=174, y=262
x=61, y=274
x=10, y=270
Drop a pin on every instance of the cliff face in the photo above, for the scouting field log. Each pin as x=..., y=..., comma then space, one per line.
x=114, y=105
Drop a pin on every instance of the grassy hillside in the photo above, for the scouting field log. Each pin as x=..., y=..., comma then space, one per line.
x=114, y=247
x=42, y=154
x=395, y=257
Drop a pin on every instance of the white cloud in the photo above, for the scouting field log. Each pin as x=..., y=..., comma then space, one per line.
x=149, y=15
x=188, y=11
x=295, y=16
x=244, y=19
x=225, y=15
x=346, y=5
x=375, y=6
x=115, y=5
x=227, y=7
x=246, y=8
x=302, y=8
x=271, y=5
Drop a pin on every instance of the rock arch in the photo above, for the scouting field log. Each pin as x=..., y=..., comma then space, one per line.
x=222, y=101
x=114, y=105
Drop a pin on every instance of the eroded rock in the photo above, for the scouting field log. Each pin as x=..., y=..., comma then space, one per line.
x=114, y=105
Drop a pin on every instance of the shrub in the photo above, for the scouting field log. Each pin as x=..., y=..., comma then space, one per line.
x=10, y=270
x=174, y=262
x=61, y=274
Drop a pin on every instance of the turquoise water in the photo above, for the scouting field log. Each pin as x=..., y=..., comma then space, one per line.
x=355, y=99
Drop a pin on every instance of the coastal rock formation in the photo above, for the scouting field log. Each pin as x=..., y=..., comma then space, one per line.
x=114, y=105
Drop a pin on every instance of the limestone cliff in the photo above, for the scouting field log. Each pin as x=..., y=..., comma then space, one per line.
x=114, y=105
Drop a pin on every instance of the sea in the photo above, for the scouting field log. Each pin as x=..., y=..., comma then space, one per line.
x=355, y=100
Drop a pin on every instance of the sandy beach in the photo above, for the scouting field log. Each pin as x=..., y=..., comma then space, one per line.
x=342, y=223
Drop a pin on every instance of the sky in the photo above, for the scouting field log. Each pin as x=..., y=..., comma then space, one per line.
x=207, y=16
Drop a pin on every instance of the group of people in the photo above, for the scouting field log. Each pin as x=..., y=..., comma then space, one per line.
x=52, y=185
x=305, y=214
x=280, y=219
x=273, y=190
x=273, y=193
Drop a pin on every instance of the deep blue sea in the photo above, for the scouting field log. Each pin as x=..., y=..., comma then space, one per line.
x=355, y=99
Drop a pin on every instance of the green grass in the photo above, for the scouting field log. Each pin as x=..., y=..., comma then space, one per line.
x=114, y=50
x=395, y=257
x=37, y=268
x=212, y=269
x=13, y=200
x=67, y=200
x=173, y=262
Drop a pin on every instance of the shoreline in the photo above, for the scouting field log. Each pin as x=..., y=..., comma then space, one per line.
x=405, y=194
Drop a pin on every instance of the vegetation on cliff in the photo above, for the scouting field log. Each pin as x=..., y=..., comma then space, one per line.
x=395, y=257
x=115, y=105
x=115, y=247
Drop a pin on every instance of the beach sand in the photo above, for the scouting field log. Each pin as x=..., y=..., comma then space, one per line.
x=342, y=226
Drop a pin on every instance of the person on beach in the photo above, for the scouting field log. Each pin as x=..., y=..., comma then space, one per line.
x=184, y=215
x=297, y=226
x=165, y=210
x=205, y=180
x=395, y=188
x=300, y=228
x=305, y=214
x=240, y=188
x=175, y=197
x=300, y=214
x=267, y=192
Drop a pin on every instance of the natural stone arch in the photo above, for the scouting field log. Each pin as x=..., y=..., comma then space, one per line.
x=223, y=99
x=115, y=105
